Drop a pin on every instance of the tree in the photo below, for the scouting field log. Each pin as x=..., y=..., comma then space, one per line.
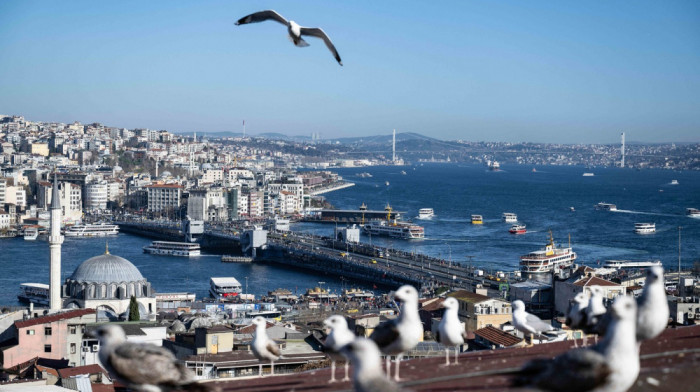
x=134, y=310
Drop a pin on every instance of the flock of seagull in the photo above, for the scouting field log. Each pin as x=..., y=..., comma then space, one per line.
x=611, y=365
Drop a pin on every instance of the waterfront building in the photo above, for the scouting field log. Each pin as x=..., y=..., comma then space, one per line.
x=4, y=219
x=164, y=197
x=479, y=311
x=96, y=196
x=566, y=290
x=3, y=189
x=16, y=195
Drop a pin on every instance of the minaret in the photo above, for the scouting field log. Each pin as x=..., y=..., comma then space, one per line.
x=55, y=241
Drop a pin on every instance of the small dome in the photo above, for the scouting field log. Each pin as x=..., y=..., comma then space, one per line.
x=106, y=268
x=165, y=174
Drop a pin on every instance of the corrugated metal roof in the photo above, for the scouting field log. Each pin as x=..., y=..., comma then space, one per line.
x=54, y=317
x=468, y=296
x=495, y=335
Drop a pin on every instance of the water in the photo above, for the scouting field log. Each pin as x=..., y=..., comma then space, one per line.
x=541, y=200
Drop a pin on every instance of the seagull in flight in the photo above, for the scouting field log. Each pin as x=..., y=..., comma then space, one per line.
x=339, y=336
x=142, y=367
x=450, y=331
x=293, y=29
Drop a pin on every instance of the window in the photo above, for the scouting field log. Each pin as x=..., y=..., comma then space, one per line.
x=47, y=348
x=72, y=348
x=47, y=331
x=73, y=330
x=30, y=332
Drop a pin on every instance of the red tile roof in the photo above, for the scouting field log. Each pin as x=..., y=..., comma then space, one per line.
x=432, y=305
x=53, y=317
x=594, y=281
x=495, y=335
x=76, y=371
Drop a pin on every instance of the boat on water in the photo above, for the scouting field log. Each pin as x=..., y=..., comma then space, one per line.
x=167, y=248
x=393, y=228
x=31, y=233
x=572, y=209
x=494, y=165
x=693, y=212
x=236, y=259
x=91, y=230
x=674, y=182
x=606, y=206
x=403, y=172
x=518, y=229
x=224, y=288
x=617, y=264
x=588, y=174
x=426, y=213
x=509, y=217
x=357, y=294
x=645, y=228
x=549, y=258
x=477, y=219
x=364, y=175
x=387, y=183
x=37, y=293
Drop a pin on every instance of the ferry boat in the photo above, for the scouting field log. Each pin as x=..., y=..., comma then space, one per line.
x=91, y=230
x=547, y=259
x=357, y=293
x=510, y=217
x=588, y=174
x=477, y=219
x=645, y=228
x=426, y=213
x=674, y=182
x=185, y=249
x=393, y=228
x=224, y=288
x=494, y=165
x=606, y=206
x=403, y=172
x=693, y=212
x=517, y=229
x=617, y=264
x=31, y=234
x=364, y=175
x=37, y=293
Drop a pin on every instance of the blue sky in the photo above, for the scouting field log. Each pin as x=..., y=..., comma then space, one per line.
x=551, y=71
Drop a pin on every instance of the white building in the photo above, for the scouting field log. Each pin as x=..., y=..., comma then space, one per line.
x=96, y=196
x=16, y=195
x=163, y=197
x=4, y=219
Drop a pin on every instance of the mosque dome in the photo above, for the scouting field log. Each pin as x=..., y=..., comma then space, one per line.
x=106, y=268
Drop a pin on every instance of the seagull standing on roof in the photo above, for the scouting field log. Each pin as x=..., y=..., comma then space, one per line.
x=367, y=367
x=450, y=331
x=263, y=347
x=576, y=315
x=652, y=306
x=142, y=367
x=293, y=29
x=339, y=336
x=403, y=333
x=596, y=320
x=610, y=366
x=528, y=323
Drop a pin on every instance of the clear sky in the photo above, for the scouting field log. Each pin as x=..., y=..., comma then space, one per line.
x=550, y=71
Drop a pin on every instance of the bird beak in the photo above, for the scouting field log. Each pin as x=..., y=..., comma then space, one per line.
x=392, y=294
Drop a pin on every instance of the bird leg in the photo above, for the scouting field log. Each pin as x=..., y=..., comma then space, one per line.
x=332, y=372
x=532, y=340
x=260, y=369
x=456, y=352
x=398, y=365
x=272, y=368
x=388, y=366
x=447, y=356
x=347, y=369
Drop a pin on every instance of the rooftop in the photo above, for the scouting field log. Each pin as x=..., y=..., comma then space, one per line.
x=495, y=335
x=595, y=281
x=468, y=296
x=53, y=317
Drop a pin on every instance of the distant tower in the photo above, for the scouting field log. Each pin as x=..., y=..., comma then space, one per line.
x=156, y=168
x=393, y=147
x=622, y=163
x=243, y=129
x=55, y=241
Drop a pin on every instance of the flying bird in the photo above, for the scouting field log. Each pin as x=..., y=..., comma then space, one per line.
x=293, y=29
x=610, y=366
x=339, y=336
x=652, y=306
x=450, y=331
x=397, y=336
x=263, y=347
x=142, y=367
x=367, y=368
x=528, y=323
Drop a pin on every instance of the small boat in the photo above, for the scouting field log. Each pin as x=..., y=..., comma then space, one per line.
x=364, y=175
x=357, y=293
x=606, y=206
x=674, y=182
x=37, y=293
x=224, y=288
x=517, y=229
x=588, y=174
x=572, y=209
x=494, y=165
x=426, y=213
x=534, y=170
x=167, y=248
x=403, y=172
x=645, y=228
x=693, y=212
x=477, y=219
x=617, y=264
x=387, y=183
x=31, y=234
x=509, y=217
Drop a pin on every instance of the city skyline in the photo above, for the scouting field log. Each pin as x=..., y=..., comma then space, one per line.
x=535, y=72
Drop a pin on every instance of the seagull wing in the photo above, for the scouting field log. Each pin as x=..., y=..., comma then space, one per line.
x=261, y=17
x=385, y=334
x=147, y=364
x=273, y=348
x=318, y=33
x=576, y=370
x=537, y=324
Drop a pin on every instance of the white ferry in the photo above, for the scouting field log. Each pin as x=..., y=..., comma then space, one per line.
x=606, y=206
x=224, y=288
x=617, y=264
x=693, y=212
x=674, y=182
x=588, y=174
x=91, y=230
x=477, y=219
x=185, y=249
x=31, y=234
x=426, y=213
x=37, y=293
x=547, y=259
x=395, y=229
x=494, y=165
x=510, y=217
x=518, y=229
x=645, y=228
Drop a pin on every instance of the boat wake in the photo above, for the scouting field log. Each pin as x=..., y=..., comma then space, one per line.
x=645, y=213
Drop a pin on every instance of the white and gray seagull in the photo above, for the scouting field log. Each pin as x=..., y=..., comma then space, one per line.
x=652, y=306
x=293, y=29
x=263, y=347
x=367, y=375
x=450, y=331
x=576, y=314
x=142, y=367
x=397, y=336
x=528, y=323
x=610, y=366
x=339, y=336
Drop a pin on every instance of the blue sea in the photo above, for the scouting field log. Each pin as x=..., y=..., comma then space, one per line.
x=541, y=199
